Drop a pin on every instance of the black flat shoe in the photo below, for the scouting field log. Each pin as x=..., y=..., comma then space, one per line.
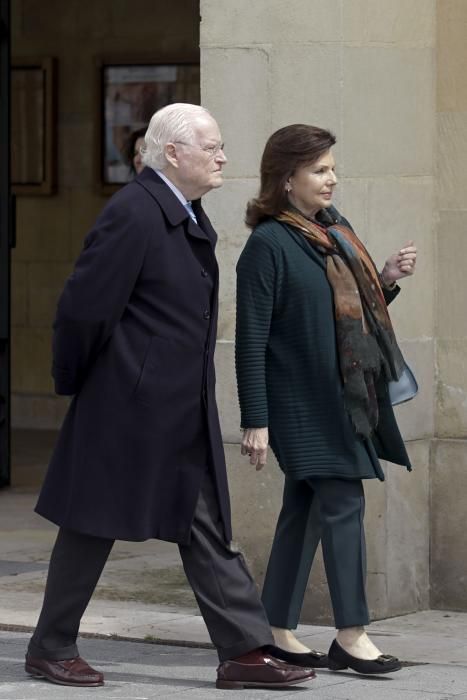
x=339, y=659
x=309, y=659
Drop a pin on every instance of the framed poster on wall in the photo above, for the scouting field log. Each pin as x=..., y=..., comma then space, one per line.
x=128, y=94
x=33, y=126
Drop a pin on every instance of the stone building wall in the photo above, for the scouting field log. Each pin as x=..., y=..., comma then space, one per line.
x=449, y=464
x=388, y=77
x=50, y=229
x=365, y=69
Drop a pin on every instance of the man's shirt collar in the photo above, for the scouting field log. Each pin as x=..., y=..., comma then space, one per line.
x=177, y=193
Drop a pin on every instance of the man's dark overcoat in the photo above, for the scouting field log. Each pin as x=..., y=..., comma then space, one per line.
x=134, y=340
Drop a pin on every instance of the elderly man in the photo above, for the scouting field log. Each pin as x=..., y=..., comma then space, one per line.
x=140, y=453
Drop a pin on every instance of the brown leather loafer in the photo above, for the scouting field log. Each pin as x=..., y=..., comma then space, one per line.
x=76, y=672
x=257, y=669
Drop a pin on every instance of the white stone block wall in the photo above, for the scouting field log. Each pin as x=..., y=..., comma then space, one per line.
x=365, y=69
x=449, y=464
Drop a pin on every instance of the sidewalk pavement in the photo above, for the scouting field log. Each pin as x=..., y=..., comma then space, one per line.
x=142, y=671
x=143, y=630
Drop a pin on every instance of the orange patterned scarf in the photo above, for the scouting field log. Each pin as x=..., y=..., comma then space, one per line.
x=367, y=346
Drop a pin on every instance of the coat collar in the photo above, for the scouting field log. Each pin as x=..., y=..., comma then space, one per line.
x=203, y=221
x=173, y=209
x=329, y=216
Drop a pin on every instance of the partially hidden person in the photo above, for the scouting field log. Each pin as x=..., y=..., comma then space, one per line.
x=133, y=151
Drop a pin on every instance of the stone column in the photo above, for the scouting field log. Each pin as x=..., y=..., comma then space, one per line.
x=449, y=464
x=364, y=69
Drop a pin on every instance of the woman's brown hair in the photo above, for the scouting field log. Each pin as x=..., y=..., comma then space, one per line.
x=286, y=150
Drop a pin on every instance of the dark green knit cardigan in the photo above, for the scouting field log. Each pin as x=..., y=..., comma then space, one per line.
x=287, y=365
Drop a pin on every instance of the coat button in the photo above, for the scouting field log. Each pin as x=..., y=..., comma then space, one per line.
x=206, y=315
x=204, y=273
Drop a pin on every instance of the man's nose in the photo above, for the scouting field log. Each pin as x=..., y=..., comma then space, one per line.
x=221, y=157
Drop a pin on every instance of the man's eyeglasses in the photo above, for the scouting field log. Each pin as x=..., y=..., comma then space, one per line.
x=212, y=151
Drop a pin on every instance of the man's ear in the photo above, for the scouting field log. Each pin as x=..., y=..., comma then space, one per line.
x=171, y=154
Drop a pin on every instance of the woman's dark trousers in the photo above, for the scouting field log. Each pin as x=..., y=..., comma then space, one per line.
x=330, y=510
x=225, y=591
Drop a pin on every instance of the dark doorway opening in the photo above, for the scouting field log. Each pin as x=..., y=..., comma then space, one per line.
x=6, y=242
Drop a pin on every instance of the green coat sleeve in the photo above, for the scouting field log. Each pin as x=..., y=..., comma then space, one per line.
x=257, y=286
x=390, y=294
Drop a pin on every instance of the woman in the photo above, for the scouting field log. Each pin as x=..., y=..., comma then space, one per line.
x=315, y=351
x=133, y=151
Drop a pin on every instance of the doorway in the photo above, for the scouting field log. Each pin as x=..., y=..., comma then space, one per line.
x=6, y=241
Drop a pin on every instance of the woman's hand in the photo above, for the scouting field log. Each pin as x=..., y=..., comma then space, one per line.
x=255, y=443
x=399, y=265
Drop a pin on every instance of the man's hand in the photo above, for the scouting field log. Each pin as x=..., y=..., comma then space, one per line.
x=399, y=265
x=255, y=444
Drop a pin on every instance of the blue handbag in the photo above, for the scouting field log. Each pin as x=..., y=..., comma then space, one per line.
x=405, y=388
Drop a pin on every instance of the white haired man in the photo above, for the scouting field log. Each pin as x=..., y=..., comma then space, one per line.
x=140, y=453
